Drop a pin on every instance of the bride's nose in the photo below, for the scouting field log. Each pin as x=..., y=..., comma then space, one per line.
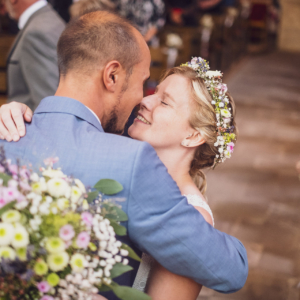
x=150, y=102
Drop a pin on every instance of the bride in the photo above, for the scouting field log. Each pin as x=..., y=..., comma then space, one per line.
x=190, y=123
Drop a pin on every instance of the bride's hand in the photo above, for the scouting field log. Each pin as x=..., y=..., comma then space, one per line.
x=12, y=118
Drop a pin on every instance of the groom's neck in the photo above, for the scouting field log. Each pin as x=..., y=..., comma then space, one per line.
x=84, y=90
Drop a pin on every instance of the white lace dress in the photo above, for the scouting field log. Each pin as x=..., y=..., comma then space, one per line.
x=147, y=261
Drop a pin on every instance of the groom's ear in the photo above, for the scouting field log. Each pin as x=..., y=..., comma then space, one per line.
x=112, y=75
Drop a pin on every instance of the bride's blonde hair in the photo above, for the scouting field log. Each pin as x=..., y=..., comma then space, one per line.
x=202, y=119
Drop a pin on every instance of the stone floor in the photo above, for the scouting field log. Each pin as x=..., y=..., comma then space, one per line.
x=255, y=195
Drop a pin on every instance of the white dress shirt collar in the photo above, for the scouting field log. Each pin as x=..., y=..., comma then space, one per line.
x=29, y=12
x=94, y=114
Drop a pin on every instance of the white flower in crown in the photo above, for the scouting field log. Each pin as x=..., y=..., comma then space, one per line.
x=227, y=154
x=212, y=74
x=225, y=113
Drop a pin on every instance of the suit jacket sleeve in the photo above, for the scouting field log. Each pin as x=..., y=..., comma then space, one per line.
x=163, y=224
x=39, y=64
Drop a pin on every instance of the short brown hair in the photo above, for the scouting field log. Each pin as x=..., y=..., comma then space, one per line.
x=95, y=39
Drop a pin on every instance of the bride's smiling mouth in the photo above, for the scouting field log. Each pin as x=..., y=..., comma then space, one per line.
x=141, y=118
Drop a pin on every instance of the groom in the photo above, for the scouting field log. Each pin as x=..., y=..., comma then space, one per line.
x=103, y=64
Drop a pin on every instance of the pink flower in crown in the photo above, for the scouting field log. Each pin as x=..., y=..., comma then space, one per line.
x=43, y=287
x=83, y=240
x=222, y=87
x=46, y=297
x=87, y=218
x=10, y=194
x=67, y=232
x=230, y=147
x=51, y=161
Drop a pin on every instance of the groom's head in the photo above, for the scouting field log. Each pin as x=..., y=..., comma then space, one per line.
x=106, y=61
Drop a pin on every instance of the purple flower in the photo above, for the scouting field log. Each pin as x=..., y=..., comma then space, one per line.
x=43, y=287
x=46, y=297
x=222, y=88
x=230, y=147
x=83, y=240
x=67, y=232
x=87, y=218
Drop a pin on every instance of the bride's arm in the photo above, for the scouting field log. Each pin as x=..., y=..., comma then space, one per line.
x=163, y=285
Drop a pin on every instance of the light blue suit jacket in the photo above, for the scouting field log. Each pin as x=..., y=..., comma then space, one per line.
x=161, y=222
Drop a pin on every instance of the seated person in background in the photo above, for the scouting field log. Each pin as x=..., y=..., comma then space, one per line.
x=32, y=62
x=147, y=15
x=81, y=7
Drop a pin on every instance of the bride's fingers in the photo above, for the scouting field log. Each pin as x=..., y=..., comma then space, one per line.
x=4, y=134
x=28, y=114
x=6, y=118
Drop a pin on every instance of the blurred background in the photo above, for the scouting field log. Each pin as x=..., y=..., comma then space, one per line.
x=255, y=196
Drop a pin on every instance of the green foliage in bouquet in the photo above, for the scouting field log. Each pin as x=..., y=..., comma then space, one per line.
x=58, y=241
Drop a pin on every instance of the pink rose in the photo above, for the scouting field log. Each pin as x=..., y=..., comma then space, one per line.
x=67, y=232
x=83, y=240
x=43, y=287
x=87, y=218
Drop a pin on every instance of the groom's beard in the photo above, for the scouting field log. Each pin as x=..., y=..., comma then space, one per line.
x=112, y=125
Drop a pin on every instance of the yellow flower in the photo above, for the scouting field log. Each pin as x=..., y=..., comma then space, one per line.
x=11, y=216
x=20, y=237
x=6, y=233
x=40, y=268
x=77, y=262
x=22, y=253
x=7, y=253
x=57, y=262
x=55, y=245
x=58, y=187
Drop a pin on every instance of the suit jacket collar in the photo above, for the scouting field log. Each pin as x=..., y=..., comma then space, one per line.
x=20, y=34
x=65, y=105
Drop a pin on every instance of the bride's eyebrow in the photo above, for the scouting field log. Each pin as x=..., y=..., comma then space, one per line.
x=169, y=96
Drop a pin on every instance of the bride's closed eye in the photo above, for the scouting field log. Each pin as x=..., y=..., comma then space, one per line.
x=164, y=103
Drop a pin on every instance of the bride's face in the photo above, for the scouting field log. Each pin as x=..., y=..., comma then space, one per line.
x=163, y=118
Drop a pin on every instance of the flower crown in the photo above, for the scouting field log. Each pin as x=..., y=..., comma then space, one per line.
x=217, y=90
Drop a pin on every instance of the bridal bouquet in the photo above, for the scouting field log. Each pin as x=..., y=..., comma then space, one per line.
x=56, y=240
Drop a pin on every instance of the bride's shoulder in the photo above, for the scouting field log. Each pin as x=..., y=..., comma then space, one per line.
x=195, y=198
x=191, y=190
